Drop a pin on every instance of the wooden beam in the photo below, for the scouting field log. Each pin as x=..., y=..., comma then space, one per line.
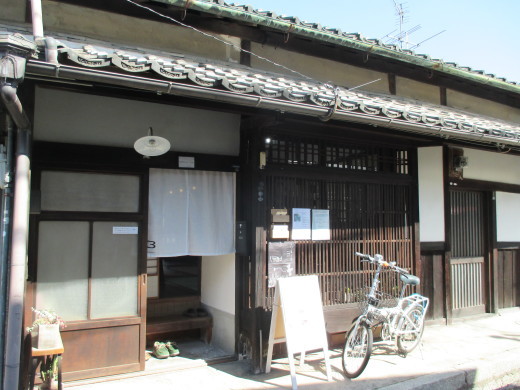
x=484, y=185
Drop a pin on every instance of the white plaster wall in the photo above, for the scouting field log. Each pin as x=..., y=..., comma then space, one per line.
x=318, y=68
x=508, y=216
x=135, y=32
x=70, y=117
x=490, y=166
x=416, y=90
x=218, y=282
x=431, y=194
x=481, y=106
x=218, y=297
x=13, y=10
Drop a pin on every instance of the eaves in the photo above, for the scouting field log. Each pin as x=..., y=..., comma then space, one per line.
x=289, y=24
x=185, y=76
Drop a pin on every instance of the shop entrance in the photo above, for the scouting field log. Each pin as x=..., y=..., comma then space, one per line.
x=191, y=265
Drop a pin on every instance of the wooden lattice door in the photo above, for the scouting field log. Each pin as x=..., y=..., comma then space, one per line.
x=467, y=253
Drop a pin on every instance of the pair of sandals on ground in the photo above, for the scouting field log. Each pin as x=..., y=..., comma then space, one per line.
x=164, y=350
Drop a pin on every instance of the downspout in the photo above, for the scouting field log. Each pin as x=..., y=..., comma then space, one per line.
x=48, y=43
x=37, y=19
x=11, y=77
x=14, y=51
x=5, y=230
x=20, y=229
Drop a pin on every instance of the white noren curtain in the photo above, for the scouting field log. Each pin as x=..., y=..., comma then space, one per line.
x=191, y=213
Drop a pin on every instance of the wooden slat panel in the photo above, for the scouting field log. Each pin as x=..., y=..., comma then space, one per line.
x=371, y=218
x=467, y=224
x=508, y=278
x=466, y=284
x=432, y=281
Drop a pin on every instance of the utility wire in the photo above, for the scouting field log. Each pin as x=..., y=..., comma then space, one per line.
x=221, y=40
x=326, y=85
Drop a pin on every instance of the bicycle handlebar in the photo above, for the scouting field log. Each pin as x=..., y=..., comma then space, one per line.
x=378, y=259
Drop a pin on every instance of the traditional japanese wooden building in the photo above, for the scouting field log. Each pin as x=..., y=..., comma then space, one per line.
x=411, y=157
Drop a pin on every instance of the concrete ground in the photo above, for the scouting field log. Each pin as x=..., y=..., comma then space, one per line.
x=478, y=353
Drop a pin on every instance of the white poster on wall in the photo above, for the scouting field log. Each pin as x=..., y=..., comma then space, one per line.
x=320, y=225
x=301, y=224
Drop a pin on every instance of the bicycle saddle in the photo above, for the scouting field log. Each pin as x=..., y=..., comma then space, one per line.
x=410, y=279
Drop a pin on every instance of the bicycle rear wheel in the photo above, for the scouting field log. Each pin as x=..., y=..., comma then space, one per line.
x=357, y=350
x=410, y=329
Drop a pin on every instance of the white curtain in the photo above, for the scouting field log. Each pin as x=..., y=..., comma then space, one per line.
x=191, y=213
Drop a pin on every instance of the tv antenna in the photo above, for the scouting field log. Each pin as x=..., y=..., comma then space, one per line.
x=400, y=36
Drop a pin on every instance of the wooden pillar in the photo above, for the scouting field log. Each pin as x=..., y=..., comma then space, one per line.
x=447, y=237
x=492, y=253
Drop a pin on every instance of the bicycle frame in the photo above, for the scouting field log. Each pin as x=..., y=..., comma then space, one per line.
x=402, y=321
x=392, y=315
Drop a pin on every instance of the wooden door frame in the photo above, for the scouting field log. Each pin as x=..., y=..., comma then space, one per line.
x=489, y=260
x=490, y=253
x=141, y=218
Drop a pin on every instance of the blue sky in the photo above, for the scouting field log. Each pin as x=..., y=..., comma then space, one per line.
x=481, y=34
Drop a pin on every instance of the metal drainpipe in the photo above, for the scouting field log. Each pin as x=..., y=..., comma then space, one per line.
x=51, y=47
x=5, y=228
x=37, y=19
x=20, y=228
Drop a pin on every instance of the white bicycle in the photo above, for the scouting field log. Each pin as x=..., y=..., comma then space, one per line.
x=401, y=319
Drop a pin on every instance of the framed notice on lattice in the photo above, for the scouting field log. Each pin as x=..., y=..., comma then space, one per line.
x=297, y=320
x=280, y=261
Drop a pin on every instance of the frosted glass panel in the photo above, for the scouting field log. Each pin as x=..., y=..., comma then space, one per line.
x=114, y=270
x=63, y=268
x=73, y=191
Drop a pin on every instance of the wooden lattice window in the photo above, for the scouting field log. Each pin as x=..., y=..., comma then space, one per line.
x=369, y=218
x=333, y=155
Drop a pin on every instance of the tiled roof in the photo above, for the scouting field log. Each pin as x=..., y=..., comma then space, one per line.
x=337, y=35
x=240, y=79
x=282, y=91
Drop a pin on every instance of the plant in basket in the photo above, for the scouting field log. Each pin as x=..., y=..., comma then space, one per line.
x=45, y=333
x=45, y=317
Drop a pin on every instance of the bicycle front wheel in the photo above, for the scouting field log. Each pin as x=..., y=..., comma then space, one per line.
x=357, y=349
x=410, y=329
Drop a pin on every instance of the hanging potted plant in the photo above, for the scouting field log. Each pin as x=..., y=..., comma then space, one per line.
x=45, y=333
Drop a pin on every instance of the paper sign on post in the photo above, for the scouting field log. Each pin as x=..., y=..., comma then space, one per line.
x=298, y=320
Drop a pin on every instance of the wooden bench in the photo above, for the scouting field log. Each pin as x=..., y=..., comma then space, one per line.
x=175, y=323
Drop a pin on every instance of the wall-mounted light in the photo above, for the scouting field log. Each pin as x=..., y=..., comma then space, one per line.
x=460, y=162
x=151, y=145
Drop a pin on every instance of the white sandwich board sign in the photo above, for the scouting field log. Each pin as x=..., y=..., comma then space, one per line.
x=298, y=320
